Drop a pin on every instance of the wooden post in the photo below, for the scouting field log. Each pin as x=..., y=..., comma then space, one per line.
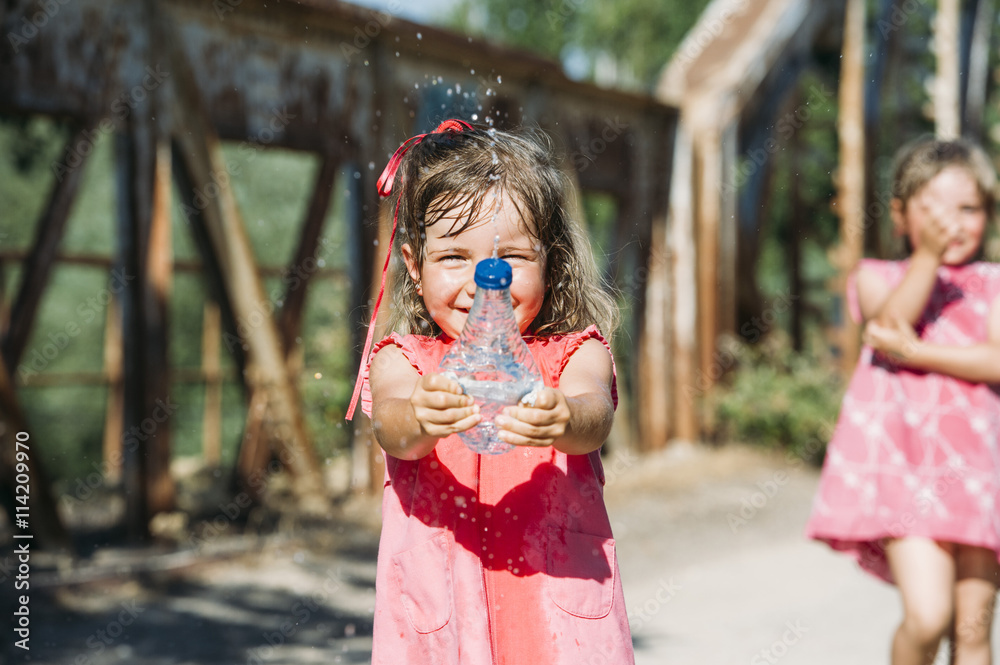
x=211, y=427
x=979, y=72
x=947, y=113
x=729, y=235
x=158, y=280
x=851, y=173
x=655, y=363
x=43, y=520
x=306, y=255
x=114, y=414
x=134, y=179
x=225, y=237
x=681, y=241
x=37, y=268
x=708, y=157
x=796, y=286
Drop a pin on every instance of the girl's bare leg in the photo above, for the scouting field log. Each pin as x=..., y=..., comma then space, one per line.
x=924, y=571
x=977, y=578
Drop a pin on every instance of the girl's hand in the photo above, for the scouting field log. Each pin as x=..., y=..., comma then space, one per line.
x=936, y=232
x=441, y=408
x=538, y=425
x=898, y=341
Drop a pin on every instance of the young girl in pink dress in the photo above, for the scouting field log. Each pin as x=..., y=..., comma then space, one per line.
x=911, y=483
x=493, y=559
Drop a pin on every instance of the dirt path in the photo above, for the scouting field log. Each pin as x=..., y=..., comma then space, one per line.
x=713, y=562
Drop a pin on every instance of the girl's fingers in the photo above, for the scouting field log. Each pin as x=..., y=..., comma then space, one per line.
x=467, y=423
x=438, y=382
x=446, y=416
x=521, y=433
x=519, y=440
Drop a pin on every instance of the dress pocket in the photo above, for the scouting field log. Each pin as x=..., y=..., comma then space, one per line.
x=424, y=575
x=582, y=575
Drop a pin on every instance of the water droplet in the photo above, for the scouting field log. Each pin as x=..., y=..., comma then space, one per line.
x=318, y=375
x=475, y=116
x=419, y=36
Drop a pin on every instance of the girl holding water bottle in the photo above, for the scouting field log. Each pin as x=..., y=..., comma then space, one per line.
x=489, y=559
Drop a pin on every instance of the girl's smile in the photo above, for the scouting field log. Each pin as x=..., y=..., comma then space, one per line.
x=445, y=274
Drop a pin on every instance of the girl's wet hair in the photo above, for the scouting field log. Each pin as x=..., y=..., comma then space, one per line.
x=919, y=161
x=467, y=171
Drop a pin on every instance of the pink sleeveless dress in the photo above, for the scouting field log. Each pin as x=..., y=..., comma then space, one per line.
x=916, y=453
x=496, y=560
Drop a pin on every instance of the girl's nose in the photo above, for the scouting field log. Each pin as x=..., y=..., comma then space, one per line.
x=470, y=286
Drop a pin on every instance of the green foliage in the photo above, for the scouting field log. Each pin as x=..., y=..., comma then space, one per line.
x=271, y=187
x=778, y=398
x=635, y=38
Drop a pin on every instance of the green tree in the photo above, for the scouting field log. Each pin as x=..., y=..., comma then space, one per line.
x=624, y=44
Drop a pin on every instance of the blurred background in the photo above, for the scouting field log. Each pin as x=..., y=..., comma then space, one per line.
x=191, y=242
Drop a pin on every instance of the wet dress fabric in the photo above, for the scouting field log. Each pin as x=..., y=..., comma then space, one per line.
x=916, y=453
x=497, y=559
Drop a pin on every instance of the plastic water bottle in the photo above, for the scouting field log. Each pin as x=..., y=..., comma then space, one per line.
x=490, y=359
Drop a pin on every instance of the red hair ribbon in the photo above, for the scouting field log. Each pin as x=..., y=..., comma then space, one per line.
x=384, y=185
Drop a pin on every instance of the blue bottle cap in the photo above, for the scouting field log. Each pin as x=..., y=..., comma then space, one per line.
x=493, y=274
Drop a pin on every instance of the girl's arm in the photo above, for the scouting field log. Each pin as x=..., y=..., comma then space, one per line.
x=410, y=412
x=907, y=300
x=976, y=363
x=576, y=418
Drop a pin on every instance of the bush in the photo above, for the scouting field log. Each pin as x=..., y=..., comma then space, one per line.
x=778, y=398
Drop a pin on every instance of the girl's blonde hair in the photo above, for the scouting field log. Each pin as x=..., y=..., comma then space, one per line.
x=464, y=171
x=920, y=160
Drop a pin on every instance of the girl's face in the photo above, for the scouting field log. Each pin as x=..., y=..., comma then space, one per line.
x=953, y=197
x=445, y=277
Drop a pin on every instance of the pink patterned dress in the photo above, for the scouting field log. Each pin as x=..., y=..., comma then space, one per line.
x=496, y=560
x=916, y=453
